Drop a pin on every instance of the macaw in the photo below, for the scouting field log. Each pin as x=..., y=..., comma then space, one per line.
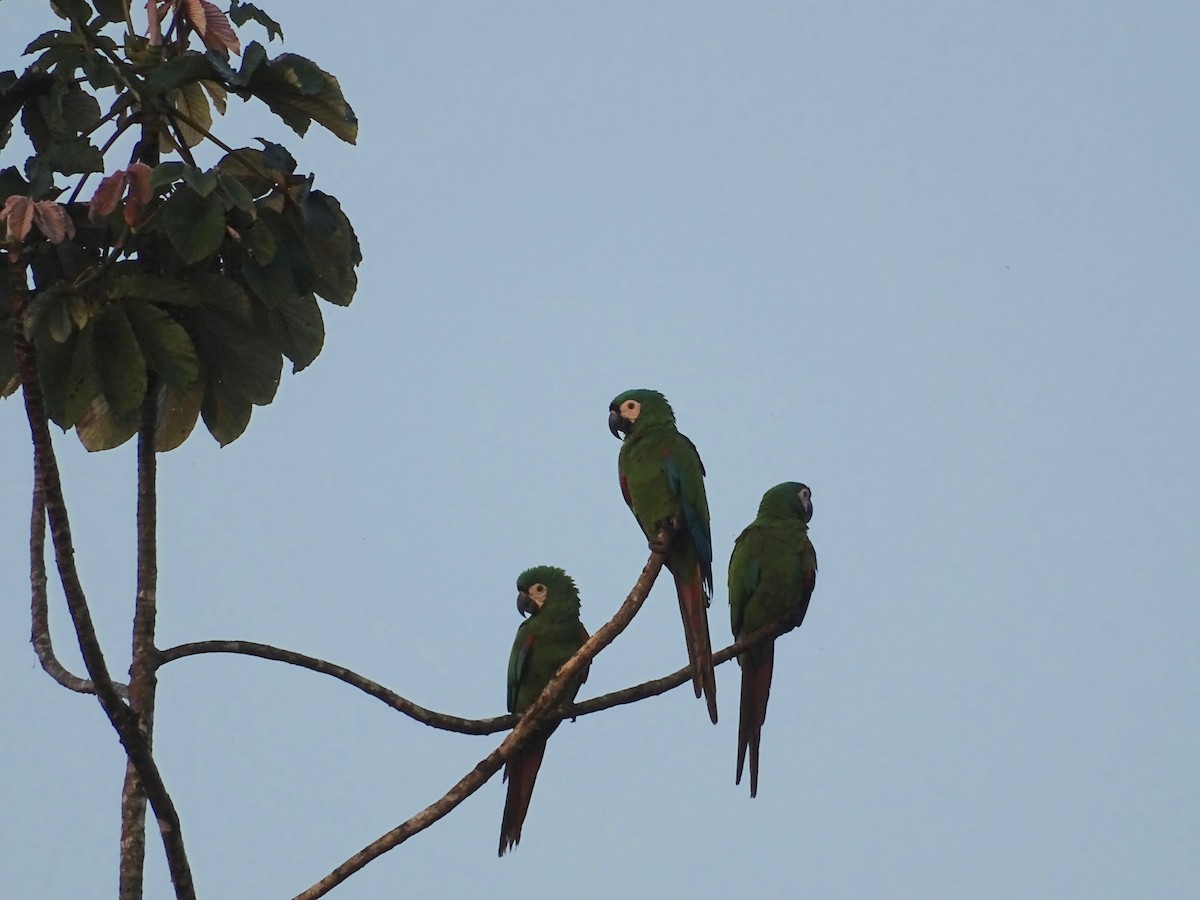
x=548, y=638
x=771, y=575
x=662, y=480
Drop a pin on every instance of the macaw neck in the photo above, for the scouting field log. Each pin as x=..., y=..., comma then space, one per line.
x=769, y=517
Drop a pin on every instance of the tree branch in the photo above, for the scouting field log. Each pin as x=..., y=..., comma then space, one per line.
x=39, y=615
x=49, y=485
x=530, y=721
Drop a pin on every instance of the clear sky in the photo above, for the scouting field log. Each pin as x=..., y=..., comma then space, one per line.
x=938, y=261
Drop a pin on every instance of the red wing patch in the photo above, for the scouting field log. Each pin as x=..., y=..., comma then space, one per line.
x=625, y=492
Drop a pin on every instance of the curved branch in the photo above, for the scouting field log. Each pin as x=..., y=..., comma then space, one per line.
x=532, y=720
x=445, y=721
x=39, y=615
x=49, y=486
x=366, y=685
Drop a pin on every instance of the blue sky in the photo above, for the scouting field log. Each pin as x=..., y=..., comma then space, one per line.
x=937, y=261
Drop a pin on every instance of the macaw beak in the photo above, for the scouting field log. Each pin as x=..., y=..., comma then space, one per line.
x=808, y=511
x=525, y=605
x=616, y=424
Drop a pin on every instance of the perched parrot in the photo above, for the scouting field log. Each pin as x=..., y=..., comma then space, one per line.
x=662, y=480
x=547, y=639
x=771, y=574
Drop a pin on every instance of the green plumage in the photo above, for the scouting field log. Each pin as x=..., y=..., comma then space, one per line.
x=772, y=573
x=546, y=640
x=662, y=481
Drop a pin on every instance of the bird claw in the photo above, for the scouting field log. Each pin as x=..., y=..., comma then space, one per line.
x=658, y=543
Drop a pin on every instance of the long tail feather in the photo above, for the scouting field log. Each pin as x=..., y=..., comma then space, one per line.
x=756, y=690
x=520, y=772
x=694, y=610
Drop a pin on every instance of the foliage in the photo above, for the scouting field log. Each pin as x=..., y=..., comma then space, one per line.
x=195, y=281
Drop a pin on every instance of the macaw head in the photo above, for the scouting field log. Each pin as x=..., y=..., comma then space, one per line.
x=790, y=500
x=546, y=589
x=638, y=407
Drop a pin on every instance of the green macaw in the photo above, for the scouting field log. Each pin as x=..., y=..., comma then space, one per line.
x=548, y=638
x=662, y=480
x=771, y=575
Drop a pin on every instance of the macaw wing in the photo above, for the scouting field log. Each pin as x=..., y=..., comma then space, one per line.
x=518, y=663
x=745, y=573
x=685, y=476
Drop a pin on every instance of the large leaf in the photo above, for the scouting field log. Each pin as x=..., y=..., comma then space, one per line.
x=300, y=329
x=119, y=360
x=177, y=415
x=99, y=428
x=195, y=115
x=195, y=225
x=226, y=414
x=241, y=13
x=333, y=255
x=165, y=345
x=154, y=289
x=68, y=377
x=186, y=68
x=236, y=357
x=299, y=92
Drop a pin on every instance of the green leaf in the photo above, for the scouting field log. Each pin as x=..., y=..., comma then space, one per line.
x=241, y=13
x=111, y=10
x=119, y=360
x=166, y=346
x=225, y=413
x=203, y=183
x=225, y=296
x=167, y=173
x=260, y=242
x=100, y=428
x=236, y=356
x=195, y=225
x=48, y=316
x=299, y=92
x=177, y=415
x=235, y=193
x=68, y=376
x=71, y=156
x=271, y=280
x=11, y=182
x=154, y=289
x=192, y=102
x=80, y=109
x=187, y=68
x=334, y=256
x=300, y=329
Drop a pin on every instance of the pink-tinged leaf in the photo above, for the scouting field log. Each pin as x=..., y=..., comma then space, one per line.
x=217, y=34
x=193, y=11
x=53, y=221
x=140, y=192
x=107, y=195
x=18, y=214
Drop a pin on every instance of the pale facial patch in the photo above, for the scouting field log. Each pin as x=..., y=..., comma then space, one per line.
x=630, y=410
x=537, y=593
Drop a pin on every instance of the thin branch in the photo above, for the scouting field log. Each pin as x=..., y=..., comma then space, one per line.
x=49, y=485
x=39, y=616
x=532, y=720
x=143, y=678
x=364, y=684
x=445, y=721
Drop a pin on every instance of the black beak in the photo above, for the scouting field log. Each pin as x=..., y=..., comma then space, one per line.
x=525, y=605
x=616, y=424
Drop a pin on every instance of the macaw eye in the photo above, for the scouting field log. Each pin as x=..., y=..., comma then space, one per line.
x=537, y=590
x=630, y=405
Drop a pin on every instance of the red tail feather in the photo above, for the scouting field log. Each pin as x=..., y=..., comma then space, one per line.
x=756, y=690
x=520, y=772
x=695, y=630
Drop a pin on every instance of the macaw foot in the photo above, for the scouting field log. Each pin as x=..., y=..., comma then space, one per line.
x=659, y=544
